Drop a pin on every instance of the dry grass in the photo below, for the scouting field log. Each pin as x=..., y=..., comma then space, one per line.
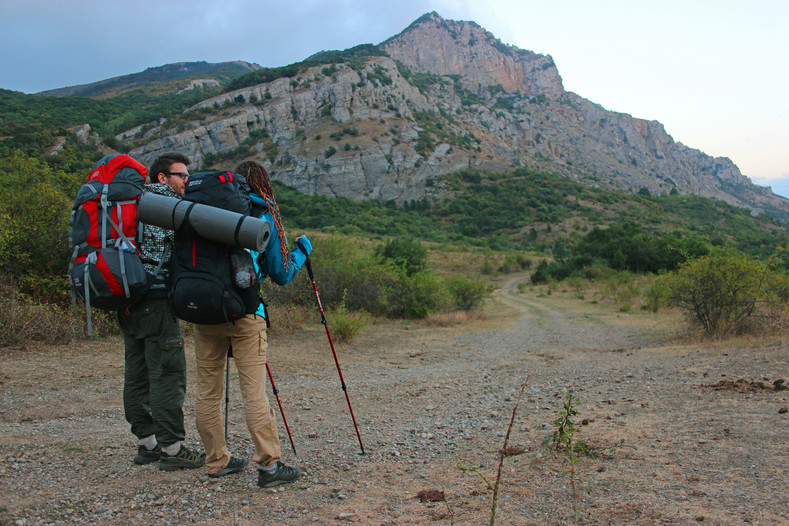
x=449, y=319
x=26, y=324
x=289, y=318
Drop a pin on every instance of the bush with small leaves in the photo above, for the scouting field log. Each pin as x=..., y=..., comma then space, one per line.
x=718, y=292
x=467, y=295
x=404, y=252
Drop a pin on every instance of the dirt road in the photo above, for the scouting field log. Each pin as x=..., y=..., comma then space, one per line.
x=672, y=437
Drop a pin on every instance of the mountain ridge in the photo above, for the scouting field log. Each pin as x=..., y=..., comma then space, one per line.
x=166, y=72
x=445, y=96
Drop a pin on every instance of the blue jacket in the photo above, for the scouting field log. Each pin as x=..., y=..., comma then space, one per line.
x=277, y=261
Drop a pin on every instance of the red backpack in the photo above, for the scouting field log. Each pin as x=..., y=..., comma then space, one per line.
x=105, y=270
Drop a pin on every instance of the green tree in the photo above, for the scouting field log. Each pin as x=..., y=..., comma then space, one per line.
x=560, y=250
x=35, y=202
x=404, y=252
x=540, y=274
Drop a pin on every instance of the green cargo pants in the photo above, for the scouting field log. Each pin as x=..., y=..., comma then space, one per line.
x=155, y=371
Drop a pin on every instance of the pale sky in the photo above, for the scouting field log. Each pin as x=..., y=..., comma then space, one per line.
x=715, y=73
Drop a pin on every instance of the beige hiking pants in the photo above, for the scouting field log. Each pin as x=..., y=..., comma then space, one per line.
x=248, y=340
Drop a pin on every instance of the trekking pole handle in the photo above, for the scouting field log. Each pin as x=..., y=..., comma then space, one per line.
x=309, y=267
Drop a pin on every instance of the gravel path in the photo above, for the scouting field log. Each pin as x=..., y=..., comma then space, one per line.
x=670, y=445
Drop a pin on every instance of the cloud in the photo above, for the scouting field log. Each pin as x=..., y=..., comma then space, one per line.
x=49, y=45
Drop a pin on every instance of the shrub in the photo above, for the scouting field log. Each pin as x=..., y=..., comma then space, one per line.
x=466, y=294
x=404, y=252
x=626, y=247
x=487, y=266
x=657, y=296
x=626, y=295
x=347, y=274
x=346, y=325
x=540, y=274
x=354, y=277
x=35, y=202
x=362, y=286
x=285, y=318
x=775, y=312
x=416, y=296
x=514, y=262
x=718, y=292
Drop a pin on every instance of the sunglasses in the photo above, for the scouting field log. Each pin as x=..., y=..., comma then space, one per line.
x=182, y=175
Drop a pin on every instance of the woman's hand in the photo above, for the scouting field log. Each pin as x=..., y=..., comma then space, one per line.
x=304, y=244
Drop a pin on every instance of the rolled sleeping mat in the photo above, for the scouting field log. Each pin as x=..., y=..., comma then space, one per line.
x=214, y=224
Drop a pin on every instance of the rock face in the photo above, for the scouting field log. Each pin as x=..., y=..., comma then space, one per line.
x=448, y=97
x=434, y=45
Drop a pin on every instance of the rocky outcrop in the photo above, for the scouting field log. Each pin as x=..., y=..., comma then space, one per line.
x=449, y=96
x=442, y=47
x=201, y=83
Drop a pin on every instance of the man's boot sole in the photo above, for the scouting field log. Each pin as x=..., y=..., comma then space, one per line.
x=170, y=466
x=140, y=461
x=275, y=483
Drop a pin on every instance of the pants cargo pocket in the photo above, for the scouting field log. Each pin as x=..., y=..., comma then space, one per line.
x=262, y=344
x=173, y=357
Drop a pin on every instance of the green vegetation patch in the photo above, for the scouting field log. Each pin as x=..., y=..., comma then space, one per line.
x=356, y=57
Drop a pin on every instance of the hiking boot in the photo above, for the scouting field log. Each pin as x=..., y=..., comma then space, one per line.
x=147, y=456
x=234, y=466
x=184, y=459
x=283, y=475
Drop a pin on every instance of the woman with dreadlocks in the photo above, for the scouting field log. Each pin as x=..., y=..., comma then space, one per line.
x=247, y=339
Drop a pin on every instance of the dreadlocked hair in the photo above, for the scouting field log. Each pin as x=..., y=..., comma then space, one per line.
x=260, y=183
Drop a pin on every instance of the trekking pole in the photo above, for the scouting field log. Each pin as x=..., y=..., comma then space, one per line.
x=227, y=388
x=281, y=412
x=331, y=344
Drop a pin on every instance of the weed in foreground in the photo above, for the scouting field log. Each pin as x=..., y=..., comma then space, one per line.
x=505, y=451
x=563, y=440
x=346, y=325
x=478, y=471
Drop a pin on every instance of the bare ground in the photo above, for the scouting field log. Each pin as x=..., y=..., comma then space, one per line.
x=678, y=431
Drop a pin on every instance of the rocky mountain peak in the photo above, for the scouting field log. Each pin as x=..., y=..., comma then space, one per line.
x=434, y=45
